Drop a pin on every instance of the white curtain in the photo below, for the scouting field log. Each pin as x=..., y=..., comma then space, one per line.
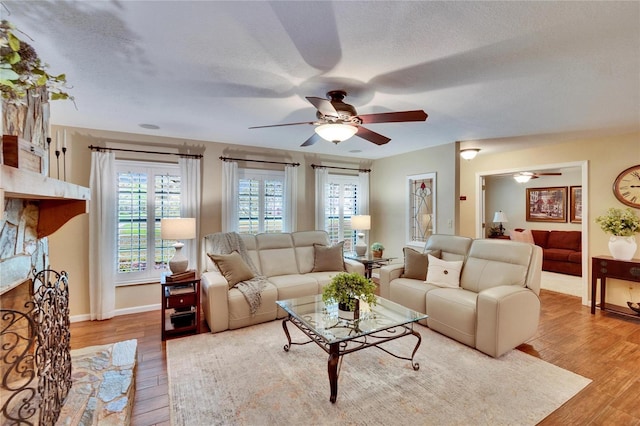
x=363, y=193
x=322, y=175
x=191, y=197
x=103, y=223
x=290, y=198
x=229, y=196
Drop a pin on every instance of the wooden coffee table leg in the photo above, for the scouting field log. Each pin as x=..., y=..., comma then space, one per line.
x=332, y=367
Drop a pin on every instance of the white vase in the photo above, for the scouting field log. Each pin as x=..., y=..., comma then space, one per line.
x=622, y=248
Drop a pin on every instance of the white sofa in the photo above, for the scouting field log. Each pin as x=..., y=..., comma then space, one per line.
x=495, y=308
x=286, y=259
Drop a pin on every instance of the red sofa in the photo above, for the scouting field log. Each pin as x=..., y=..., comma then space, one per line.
x=561, y=251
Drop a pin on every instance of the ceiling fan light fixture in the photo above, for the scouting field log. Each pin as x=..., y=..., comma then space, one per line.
x=523, y=177
x=469, y=154
x=336, y=132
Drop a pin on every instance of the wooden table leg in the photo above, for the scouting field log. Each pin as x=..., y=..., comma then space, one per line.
x=594, y=284
x=332, y=367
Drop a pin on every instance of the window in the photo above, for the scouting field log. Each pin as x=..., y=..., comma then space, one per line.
x=422, y=208
x=260, y=201
x=341, y=202
x=147, y=192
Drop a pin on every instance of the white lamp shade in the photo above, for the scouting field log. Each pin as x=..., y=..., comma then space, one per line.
x=469, y=154
x=178, y=228
x=499, y=216
x=361, y=222
x=336, y=132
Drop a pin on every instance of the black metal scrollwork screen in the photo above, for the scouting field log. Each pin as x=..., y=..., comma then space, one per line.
x=35, y=353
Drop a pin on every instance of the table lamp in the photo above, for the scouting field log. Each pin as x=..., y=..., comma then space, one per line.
x=178, y=229
x=361, y=223
x=500, y=217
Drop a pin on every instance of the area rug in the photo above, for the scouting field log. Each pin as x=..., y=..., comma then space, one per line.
x=244, y=377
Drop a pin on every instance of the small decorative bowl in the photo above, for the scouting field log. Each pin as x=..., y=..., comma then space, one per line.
x=634, y=307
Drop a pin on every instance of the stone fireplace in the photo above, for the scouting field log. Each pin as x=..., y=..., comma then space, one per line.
x=35, y=361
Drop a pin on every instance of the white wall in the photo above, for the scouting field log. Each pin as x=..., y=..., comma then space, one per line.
x=389, y=197
x=504, y=193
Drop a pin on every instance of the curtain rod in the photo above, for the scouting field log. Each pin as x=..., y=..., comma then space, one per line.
x=259, y=161
x=101, y=148
x=317, y=166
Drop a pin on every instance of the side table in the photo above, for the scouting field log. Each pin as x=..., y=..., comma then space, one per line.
x=500, y=237
x=180, y=307
x=369, y=262
x=604, y=267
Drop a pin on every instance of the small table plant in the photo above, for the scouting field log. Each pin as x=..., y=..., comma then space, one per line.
x=347, y=289
x=377, y=249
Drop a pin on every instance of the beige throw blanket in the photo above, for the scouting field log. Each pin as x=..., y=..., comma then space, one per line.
x=228, y=242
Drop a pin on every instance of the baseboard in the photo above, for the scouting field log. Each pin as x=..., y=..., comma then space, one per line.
x=118, y=312
x=138, y=309
x=79, y=318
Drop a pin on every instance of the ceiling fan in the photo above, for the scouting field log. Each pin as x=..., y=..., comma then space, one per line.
x=338, y=121
x=523, y=177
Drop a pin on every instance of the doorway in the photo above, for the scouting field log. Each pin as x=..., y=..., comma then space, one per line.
x=497, y=190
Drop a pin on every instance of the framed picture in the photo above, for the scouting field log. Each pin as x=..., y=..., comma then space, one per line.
x=421, y=208
x=575, y=204
x=547, y=204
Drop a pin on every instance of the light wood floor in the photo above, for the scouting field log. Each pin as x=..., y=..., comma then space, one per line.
x=602, y=347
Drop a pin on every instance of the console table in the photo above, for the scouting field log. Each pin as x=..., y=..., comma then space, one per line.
x=604, y=267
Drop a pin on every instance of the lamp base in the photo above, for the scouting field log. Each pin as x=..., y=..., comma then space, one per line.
x=178, y=263
x=361, y=246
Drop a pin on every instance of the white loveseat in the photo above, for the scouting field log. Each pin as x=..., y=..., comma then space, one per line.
x=286, y=259
x=495, y=308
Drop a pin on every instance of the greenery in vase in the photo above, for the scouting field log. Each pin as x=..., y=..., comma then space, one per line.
x=345, y=287
x=377, y=247
x=619, y=222
x=21, y=70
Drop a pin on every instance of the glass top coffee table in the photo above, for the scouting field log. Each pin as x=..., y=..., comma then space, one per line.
x=338, y=335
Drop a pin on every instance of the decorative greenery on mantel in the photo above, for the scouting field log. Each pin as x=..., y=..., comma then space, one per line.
x=345, y=287
x=21, y=70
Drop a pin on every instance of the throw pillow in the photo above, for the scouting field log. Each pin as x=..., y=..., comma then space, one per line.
x=328, y=259
x=416, y=263
x=443, y=273
x=524, y=236
x=232, y=267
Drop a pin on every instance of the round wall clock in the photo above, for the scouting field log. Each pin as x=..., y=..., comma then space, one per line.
x=626, y=187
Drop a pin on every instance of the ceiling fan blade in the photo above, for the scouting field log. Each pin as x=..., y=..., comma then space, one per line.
x=394, y=117
x=372, y=136
x=280, y=125
x=549, y=174
x=312, y=139
x=323, y=105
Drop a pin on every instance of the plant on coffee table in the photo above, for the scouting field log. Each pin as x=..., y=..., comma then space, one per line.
x=345, y=288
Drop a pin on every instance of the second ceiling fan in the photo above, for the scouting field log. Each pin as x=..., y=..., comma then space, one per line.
x=338, y=121
x=523, y=177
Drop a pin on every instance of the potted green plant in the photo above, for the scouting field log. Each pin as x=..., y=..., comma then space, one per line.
x=347, y=289
x=622, y=225
x=377, y=249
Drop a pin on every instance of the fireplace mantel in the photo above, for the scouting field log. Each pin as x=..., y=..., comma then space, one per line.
x=59, y=201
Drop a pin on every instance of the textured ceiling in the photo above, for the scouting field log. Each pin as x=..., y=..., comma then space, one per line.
x=485, y=72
